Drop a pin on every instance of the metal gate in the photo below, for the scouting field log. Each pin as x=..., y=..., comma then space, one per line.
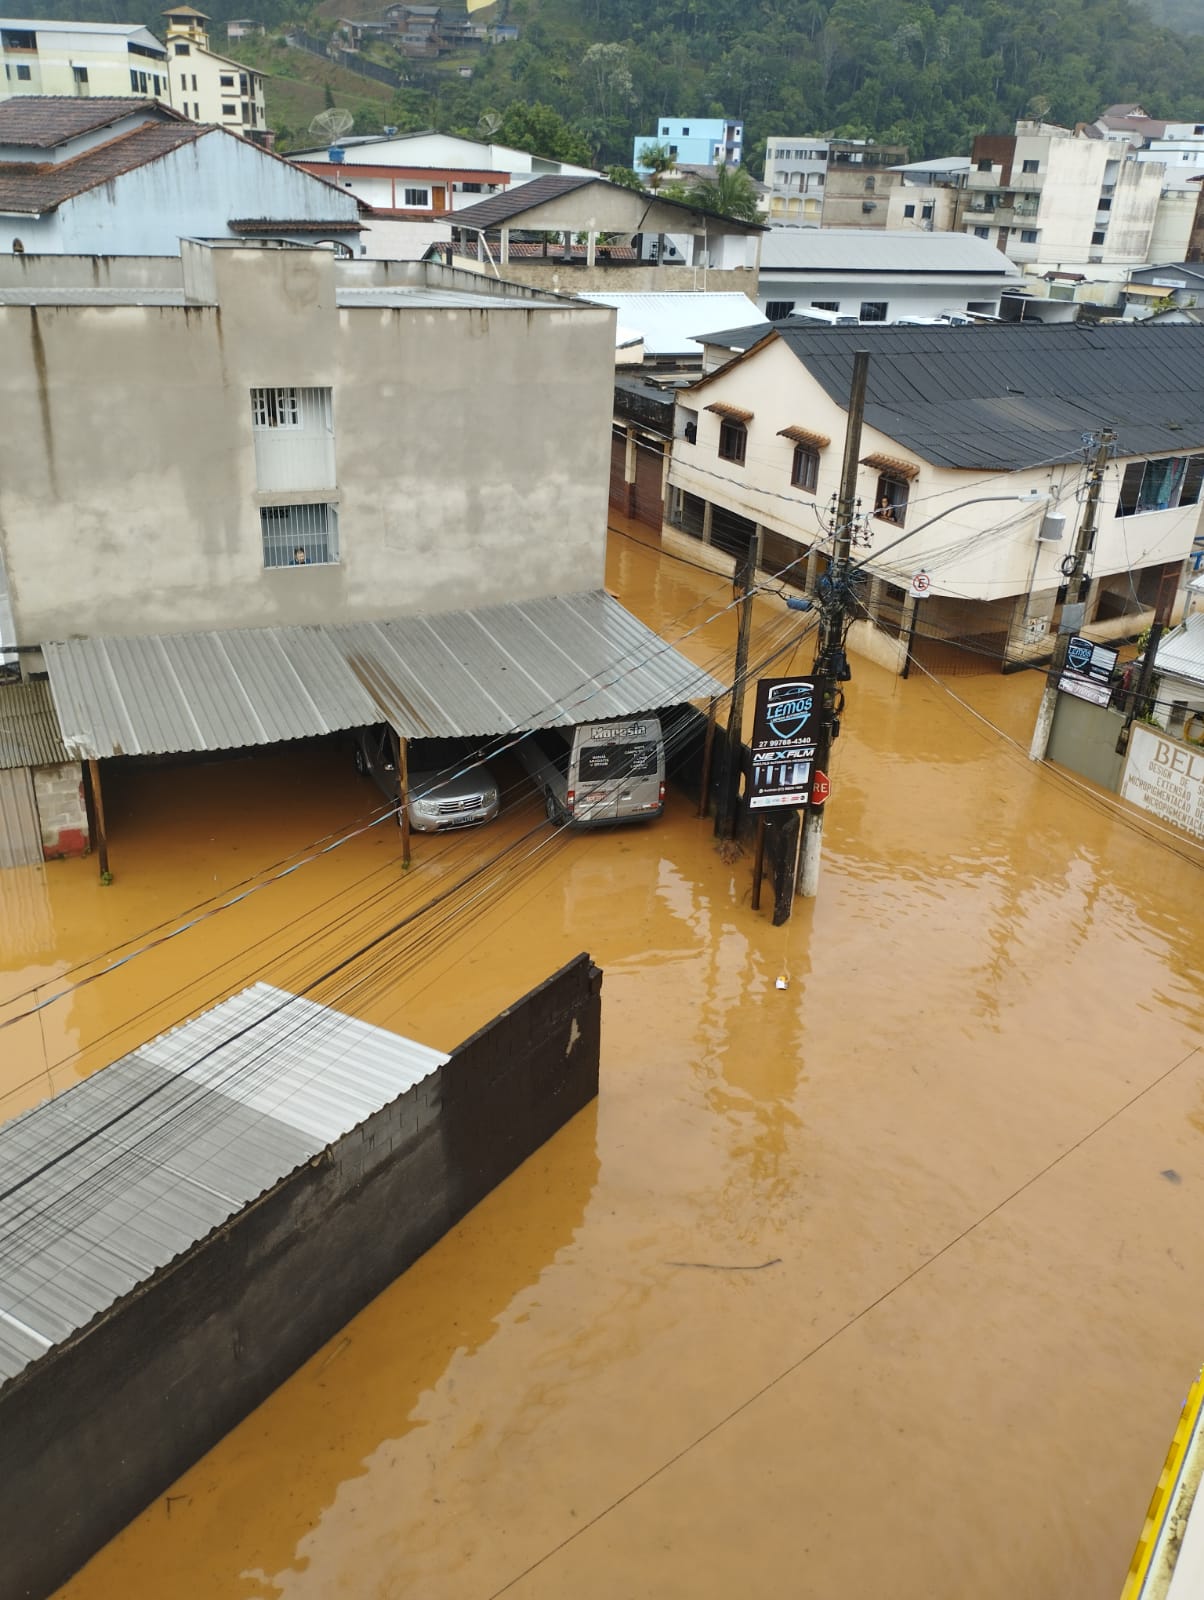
x=20, y=830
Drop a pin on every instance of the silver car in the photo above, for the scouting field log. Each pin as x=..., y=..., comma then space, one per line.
x=441, y=796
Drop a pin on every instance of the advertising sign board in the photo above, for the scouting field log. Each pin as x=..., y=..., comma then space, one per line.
x=784, y=741
x=1165, y=778
x=1088, y=671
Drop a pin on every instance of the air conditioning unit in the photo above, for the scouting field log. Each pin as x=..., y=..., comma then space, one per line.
x=869, y=205
x=1053, y=527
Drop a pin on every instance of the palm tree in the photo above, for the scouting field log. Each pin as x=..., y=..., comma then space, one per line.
x=730, y=193
x=656, y=160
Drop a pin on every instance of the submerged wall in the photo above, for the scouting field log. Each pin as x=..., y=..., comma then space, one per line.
x=92, y=1432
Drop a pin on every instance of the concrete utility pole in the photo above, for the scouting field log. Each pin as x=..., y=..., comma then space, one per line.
x=830, y=667
x=1076, y=589
x=728, y=802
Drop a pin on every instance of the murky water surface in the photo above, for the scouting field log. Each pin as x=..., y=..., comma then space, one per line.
x=877, y=1284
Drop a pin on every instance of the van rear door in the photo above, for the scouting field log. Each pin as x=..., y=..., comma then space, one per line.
x=618, y=771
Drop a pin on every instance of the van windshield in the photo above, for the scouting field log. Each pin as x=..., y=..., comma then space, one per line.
x=599, y=761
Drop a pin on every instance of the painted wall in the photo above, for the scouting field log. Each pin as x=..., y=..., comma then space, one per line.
x=192, y=192
x=104, y=55
x=90, y=1434
x=904, y=297
x=780, y=393
x=471, y=449
x=197, y=90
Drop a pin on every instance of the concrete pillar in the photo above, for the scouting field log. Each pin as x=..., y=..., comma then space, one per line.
x=59, y=794
x=629, y=457
x=505, y=255
x=874, y=600
x=591, y=247
x=706, y=522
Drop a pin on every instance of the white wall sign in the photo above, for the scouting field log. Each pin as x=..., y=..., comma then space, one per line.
x=1165, y=778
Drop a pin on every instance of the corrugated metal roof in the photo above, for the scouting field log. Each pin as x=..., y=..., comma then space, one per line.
x=431, y=295
x=673, y=324
x=1001, y=398
x=528, y=664
x=113, y=1179
x=20, y=829
x=1182, y=652
x=29, y=726
x=895, y=252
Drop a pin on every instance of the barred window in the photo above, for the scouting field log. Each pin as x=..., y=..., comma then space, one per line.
x=299, y=536
x=276, y=408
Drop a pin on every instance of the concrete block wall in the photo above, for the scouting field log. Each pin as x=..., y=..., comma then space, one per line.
x=62, y=812
x=106, y=1421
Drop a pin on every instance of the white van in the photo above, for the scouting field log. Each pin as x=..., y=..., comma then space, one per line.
x=598, y=772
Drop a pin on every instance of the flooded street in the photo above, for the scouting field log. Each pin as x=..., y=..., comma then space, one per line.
x=887, y=1282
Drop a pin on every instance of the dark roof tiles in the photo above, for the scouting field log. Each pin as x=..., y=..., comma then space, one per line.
x=522, y=197
x=44, y=121
x=29, y=187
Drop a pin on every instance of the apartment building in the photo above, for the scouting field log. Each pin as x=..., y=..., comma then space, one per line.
x=212, y=88
x=81, y=59
x=695, y=141
x=825, y=182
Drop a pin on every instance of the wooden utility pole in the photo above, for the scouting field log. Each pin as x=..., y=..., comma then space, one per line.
x=829, y=665
x=1077, y=585
x=728, y=802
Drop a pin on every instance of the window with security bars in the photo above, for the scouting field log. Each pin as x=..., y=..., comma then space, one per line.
x=804, y=471
x=276, y=408
x=299, y=536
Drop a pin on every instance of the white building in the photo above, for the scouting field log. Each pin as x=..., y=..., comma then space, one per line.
x=81, y=59
x=972, y=469
x=1055, y=199
x=119, y=177
x=815, y=180
x=879, y=277
x=426, y=441
x=212, y=88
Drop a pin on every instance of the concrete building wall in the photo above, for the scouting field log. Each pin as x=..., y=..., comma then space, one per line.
x=62, y=814
x=91, y=1433
x=103, y=55
x=929, y=207
x=559, y=278
x=470, y=446
x=193, y=192
x=904, y=296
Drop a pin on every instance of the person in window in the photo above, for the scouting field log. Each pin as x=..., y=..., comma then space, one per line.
x=885, y=510
x=299, y=557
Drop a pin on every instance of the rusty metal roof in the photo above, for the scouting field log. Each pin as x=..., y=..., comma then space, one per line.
x=29, y=726
x=528, y=664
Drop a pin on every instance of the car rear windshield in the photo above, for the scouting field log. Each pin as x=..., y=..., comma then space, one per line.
x=598, y=761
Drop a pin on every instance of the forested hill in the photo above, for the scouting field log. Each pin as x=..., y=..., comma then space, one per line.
x=928, y=73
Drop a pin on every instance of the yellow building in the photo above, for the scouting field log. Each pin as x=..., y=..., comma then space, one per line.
x=208, y=87
x=81, y=59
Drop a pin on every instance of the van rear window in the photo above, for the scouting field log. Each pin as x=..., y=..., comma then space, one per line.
x=617, y=761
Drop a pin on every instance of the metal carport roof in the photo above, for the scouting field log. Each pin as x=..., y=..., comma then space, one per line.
x=526, y=664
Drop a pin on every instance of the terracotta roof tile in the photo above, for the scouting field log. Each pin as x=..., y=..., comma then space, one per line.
x=31, y=188
x=43, y=121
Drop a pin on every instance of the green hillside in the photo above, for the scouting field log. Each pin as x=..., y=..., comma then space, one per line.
x=591, y=75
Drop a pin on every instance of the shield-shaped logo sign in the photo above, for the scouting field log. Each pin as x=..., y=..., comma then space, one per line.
x=1078, y=655
x=789, y=708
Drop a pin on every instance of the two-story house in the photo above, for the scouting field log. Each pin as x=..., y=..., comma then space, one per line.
x=972, y=471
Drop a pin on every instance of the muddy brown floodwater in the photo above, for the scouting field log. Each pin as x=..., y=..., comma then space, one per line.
x=885, y=1283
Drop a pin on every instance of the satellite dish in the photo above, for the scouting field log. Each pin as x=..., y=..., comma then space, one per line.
x=332, y=124
x=488, y=124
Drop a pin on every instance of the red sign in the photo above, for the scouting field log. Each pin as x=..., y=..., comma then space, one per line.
x=820, y=788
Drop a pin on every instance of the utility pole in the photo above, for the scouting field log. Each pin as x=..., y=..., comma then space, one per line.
x=830, y=667
x=1077, y=584
x=729, y=761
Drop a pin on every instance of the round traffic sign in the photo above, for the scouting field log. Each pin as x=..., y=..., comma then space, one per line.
x=921, y=585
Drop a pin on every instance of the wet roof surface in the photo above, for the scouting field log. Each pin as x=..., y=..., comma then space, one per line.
x=29, y=727
x=120, y=1174
x=35, y=187
x=529, y=664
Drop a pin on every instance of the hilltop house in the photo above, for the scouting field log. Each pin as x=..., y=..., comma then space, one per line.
x=972, y=463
